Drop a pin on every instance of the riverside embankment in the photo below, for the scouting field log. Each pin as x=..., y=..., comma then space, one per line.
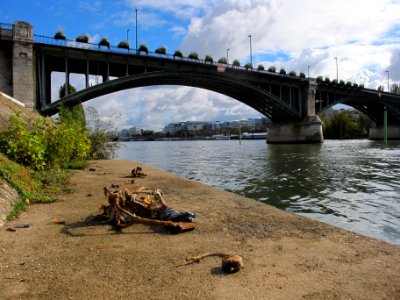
x=286, y=256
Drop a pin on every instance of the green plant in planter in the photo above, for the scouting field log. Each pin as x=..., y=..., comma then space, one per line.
x=292, y=73
x=236, y=63
x=194, y=55
x=161, y=50
x=178, y=53
x=222, y=60
x=302, y=75
x=341, y=82
x=272, y=69
x=282, y=71
x=327, y=80
x=319, y=79
x=123, y=45
x=59, y=35
x=84, y=38
x=348, y=83
x=209, y=58
x=248, y=66
x=260, y=68
x=143, y=48
x=104, y=42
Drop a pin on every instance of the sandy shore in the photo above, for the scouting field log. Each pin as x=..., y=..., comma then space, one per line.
x=286, y=256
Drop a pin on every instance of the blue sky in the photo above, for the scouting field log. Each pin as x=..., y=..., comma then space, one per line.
x=363, y=34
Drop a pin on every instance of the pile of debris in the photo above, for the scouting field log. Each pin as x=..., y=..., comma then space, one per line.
x=142, y=205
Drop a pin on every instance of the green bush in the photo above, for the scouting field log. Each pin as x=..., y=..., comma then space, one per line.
x=209, y=58
x=143, y=48
x=123, y=45
x=248, y=66
x=84, y=38
x=260, y=68
x=292, y=73
x=161, y=50
x=59, y=35
x=302, y=75
x=319, y=79
x=272, y=69
x=236, y=63
x=178, y=53
x=282, y=71
x=194, y=55
x=104, y=42
x=222, y=60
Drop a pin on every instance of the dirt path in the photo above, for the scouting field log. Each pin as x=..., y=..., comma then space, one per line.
x=286, y=256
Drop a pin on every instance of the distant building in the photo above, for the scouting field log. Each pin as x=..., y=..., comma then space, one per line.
x=131, y=132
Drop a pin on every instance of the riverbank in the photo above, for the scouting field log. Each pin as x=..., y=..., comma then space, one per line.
x=286, y=256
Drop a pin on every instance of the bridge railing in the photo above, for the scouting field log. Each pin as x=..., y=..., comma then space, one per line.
x=40, y=39
x=6, y=26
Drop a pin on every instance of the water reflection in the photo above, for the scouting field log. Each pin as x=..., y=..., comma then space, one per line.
x=351, y=184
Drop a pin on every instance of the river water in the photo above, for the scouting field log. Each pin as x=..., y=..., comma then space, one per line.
x=352, y=184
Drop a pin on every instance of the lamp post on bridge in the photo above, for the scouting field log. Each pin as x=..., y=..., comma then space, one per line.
x=309, y=71
x=136, y=31
x=227, y=56
x=337, y=70
x=251, y=52
x=127, y=35
x=388, y=81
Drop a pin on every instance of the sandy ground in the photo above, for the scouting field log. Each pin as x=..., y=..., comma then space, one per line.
x=286, y=256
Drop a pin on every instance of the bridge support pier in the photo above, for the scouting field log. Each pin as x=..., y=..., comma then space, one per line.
x=309, y=130
x=377, y=132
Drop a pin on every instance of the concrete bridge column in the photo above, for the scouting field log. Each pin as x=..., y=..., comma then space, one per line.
x=23, y=70
x=377, y=132
x=308, y=130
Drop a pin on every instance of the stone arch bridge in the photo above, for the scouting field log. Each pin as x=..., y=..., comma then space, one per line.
x=292, y=103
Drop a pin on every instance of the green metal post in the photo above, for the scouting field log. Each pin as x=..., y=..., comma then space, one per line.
x=385, y=125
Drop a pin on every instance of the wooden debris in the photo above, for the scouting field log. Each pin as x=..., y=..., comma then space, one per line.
x=229, y=264
x=142, y=205
x=138, y=172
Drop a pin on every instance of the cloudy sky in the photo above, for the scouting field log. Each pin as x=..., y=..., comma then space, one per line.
x=364, y=35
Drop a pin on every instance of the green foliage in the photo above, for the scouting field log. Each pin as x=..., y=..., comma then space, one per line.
x=248, y=66
x=292, y=73
x=84, y=38
x=348, y=83
x=282, y=71
x=236, y=63
x=143, y=48
x=209, y=58
x=334, y=81
x=194, y=55
x=161, y=50
x=381, y=88
x=61, y=90
x=302, y=75
x=327, y=80
x=319, y=79
x=178, y=53
x=345, y=126
x=59, y=35
x=395, y=88
x=100, y=135
x=272, y=69
x=123, y=45
x=43, y=144
x=355, y=85
x=260, y=68
x=222, y=60
x=104, y=42
x=341, y=82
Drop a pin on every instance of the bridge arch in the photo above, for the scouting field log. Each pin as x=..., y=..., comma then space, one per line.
x=259, y=99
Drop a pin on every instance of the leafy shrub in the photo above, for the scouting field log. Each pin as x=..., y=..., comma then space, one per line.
x=302, y=75
x=260, y=68
x=178, y=53
x=194, y=55
x=272, y=69
x=161, y=50
x=248, y=66
x=222, y=60
x=236, y=63
x=355, y=85
x=209, y=58
x=282, y=71
x=61, y=90
x=348, y=83
x=43, y=144
x=84, y=38
x=327, y=80
x=59, y=35
x=319, y=79
x=334, y=81
x=123, y=45
x=341, y=82
x=292, y=73
x=143, y=48
x=104, y=42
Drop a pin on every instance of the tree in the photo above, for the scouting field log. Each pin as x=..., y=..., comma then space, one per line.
x=395, y=89
x=104, y=42
x=84, y=38
x=161, y=50
x=222, y=60
x=272, y=69
x=260, y=68
x=143, y=48
x=236, y=63
x=194, y=55
x=178, y=53
x=282, y=71
x=209, y=58
x=123, y=45
x=59, y=35
x=381, y=88
x=61, y=91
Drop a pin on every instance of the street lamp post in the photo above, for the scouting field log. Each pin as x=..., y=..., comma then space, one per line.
x=227, y=56
x=309, y=71
x=136, y=31
x=388, y=81
x=337, y=70
x=127, y=35
x=251, y=52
